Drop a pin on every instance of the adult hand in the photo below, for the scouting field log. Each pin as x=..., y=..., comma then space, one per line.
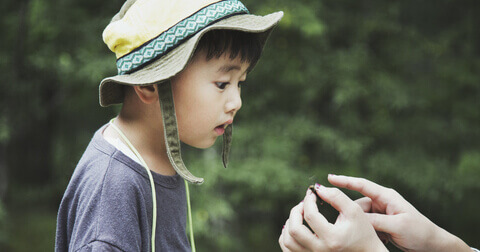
x=351, y=231
x=390, y=213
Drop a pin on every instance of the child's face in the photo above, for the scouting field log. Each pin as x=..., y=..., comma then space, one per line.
x=207, y=97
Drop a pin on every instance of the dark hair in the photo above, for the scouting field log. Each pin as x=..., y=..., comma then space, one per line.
x=244, y=44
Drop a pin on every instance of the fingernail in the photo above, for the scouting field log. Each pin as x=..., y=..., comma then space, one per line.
x=317, y=186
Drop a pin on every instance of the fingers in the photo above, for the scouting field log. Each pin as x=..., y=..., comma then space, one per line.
x=313, y=217
x=280, y=242
x=287, y=242
x=338, y=200
x=383, y=223
x=298, y=236
x=365, y=203
x=361, y=185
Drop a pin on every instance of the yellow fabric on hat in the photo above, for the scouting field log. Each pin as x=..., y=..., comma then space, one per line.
x=145, y=20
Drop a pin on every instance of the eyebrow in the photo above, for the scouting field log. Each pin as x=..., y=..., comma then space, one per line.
x=228, y=68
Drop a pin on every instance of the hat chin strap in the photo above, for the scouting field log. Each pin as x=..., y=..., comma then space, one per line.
x=172, y=141
x=170, y=130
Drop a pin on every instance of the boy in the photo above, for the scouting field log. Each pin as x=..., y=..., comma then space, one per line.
x=126, y=193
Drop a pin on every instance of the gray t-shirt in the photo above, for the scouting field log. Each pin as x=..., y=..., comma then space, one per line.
x=107, y=205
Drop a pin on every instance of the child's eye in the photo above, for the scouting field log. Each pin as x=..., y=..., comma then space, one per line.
x=221, y=85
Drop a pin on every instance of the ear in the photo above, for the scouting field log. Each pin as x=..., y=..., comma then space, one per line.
x=147, y=94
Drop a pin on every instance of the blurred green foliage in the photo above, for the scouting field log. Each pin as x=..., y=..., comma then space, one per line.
x=31, y=231
x=3, y=231
x=387, y=90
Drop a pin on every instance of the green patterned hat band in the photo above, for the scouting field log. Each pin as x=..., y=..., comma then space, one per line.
x=175, y=35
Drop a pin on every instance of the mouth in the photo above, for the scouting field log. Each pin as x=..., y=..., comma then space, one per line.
x=220, y=129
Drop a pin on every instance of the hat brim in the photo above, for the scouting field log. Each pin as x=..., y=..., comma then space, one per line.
x=111, y=91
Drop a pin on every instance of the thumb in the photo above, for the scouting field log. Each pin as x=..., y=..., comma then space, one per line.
x=383, y=223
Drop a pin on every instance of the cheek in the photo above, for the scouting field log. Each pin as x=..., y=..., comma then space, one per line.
x=195, y=127
x=194, y=111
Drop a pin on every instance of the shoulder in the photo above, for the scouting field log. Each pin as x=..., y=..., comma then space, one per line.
x=106, y=178
x=107, y=205
x=106, y=202
x=102, y=167
x=105, y=175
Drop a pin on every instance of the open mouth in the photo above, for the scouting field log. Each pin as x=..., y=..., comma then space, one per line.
x=220, y=129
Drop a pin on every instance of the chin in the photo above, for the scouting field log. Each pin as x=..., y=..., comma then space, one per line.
x=201, y=145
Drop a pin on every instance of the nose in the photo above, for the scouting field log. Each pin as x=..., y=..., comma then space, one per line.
x=234, y=101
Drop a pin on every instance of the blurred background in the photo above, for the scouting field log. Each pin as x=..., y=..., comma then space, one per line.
x=386, y=90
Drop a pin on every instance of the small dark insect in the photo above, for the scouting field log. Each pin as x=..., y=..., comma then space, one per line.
x=312, y=188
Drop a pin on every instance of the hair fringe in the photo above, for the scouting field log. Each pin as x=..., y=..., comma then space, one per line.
x=237, y=43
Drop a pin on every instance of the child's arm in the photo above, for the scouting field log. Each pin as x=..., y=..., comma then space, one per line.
x=390, y=213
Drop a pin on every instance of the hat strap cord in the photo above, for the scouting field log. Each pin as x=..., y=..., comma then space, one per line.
x=150, y=177
x=172, y=144
x=154, y=194
x=170, y=130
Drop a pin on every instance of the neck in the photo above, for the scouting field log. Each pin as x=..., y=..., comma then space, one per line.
x=146, y=135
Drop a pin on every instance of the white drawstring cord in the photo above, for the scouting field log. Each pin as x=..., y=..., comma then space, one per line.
x=154, y=195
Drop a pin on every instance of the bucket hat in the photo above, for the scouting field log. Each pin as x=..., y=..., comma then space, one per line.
x=153, y=41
